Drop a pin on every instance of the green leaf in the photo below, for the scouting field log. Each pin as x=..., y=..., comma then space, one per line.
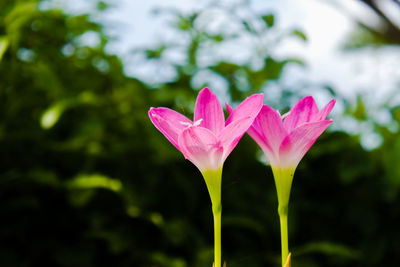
x=186, y=23
x=155, y=53
x=273, y=68
x=248, y=27
x=296, y=61
x=330, y=90
x=299, y=34
x=89, y=181
x=102, y=6
x=363, y=37
x=360, y=111
x=216, y=38
x=21, y=10
x=17, y=18
x=51, y=115
x=256, y=78
x=3, y=46
x=225, y=68
x=269, y=20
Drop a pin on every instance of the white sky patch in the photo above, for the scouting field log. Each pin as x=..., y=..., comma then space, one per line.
x=371, y=72
x=327, y=24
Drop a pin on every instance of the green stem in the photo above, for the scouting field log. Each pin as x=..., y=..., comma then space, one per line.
x=284, y=237
x=217, y=238
x=213, y=181
x=283, y=181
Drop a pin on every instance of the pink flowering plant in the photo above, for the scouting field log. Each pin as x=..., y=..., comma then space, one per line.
x=207, y=141
x=285, y=139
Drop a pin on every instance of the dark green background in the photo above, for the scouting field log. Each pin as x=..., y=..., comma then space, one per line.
x=86, y=179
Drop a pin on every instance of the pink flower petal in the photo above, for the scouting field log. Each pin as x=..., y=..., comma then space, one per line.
x=169, y=122
x=232, y=133
x=209, y=110
x=301, y=113
x=271, y=125
x=299, y=141
x=257, y=135
x=248, y=108
x=325, y=111
x=202, y=148
x=268, y=131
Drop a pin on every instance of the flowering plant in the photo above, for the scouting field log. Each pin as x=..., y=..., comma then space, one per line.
x=207, y=141
x=285, y=139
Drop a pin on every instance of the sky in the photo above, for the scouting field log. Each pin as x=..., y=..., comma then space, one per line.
x=133, y=24
x=370, y=72
x=327, y=26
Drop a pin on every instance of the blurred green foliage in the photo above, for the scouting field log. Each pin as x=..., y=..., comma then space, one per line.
x=86, y=180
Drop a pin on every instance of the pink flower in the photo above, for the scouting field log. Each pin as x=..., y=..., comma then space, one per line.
x=208, y=139
x=286, y=139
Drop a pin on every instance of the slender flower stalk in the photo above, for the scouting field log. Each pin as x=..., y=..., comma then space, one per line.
x=213, y=181
x=207, y=141
x=285, y=140
x=283, y=183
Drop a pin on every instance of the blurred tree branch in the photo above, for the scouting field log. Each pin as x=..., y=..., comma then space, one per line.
x=389, y=30
x=386, y=31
